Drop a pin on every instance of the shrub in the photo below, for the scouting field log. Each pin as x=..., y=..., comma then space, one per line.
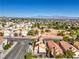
x=7, y=46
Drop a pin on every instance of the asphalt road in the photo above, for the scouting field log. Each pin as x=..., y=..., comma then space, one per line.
x=19, y=50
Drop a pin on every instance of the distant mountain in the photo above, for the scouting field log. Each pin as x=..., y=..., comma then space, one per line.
x=56, y=17
x=45, y=17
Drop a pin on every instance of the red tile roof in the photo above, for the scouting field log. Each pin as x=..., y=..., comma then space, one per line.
x=66, y=46
x=76, y=43
x=53, y=45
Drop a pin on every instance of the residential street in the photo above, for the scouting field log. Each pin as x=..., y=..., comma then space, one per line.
x=19, y=50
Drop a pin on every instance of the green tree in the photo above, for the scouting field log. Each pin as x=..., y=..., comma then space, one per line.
x=69, y=53
x=42, y=31
x=59, y=56
x=48, y=51
x=7, y=46
x=33, y=32
x=61, y=33
x=66, y=38
x=47, y=30
x=77, y=37
x=71, y=41
x=36, y=32
x=15, y=34
x=28, y=55
x=30, y=32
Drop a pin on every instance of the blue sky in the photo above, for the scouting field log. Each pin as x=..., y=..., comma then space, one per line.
x=39, y=8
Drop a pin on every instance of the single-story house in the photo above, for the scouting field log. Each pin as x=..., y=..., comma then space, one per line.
x=55, y=49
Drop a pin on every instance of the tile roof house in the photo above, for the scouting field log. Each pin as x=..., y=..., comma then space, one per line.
x=54, y=48
x=65, y=46
x=76, y=44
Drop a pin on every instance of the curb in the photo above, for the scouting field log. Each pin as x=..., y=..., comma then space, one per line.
x=8, y=51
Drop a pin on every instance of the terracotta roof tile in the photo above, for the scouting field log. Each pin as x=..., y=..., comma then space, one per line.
x=53, y=45
x=67, y=46
x=76, y=43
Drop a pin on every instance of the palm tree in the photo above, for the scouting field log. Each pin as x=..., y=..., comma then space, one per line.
x=33, y=43
x=48, y=51
x=54, y=52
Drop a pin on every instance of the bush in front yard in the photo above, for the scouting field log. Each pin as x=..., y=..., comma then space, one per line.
x=7, y=46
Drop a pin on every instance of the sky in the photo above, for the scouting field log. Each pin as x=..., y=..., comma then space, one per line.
x=23, y=8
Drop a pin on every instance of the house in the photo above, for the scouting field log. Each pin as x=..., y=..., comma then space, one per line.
x=17, y=26
x=7, y=33
x=39, y=48
x=1, y=48
x=76, y=44
x=2, y=40
x=65, y=46
x=18, y=32
x=55, y=49
x=1, y=32
x=1, y=26
x=2, y=43
x=24, y=32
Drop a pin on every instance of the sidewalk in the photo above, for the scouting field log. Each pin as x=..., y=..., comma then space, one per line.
x=8, y=51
